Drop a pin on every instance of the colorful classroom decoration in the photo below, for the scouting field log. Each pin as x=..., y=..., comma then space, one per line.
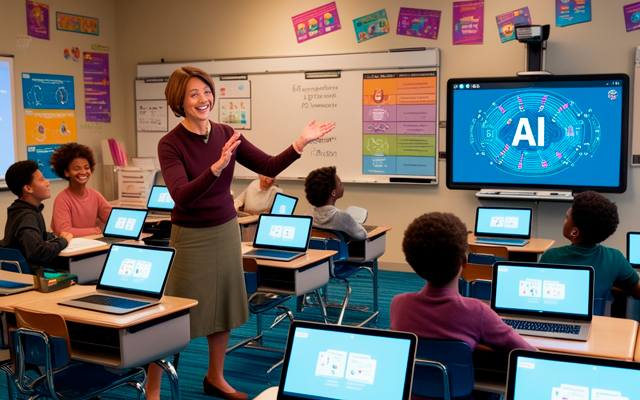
x=419, y=23
x=316, y=22
x=97, y=88
x=38, y=20
x=371, y=25
x=77, y=23
x=570, y=12
x=468, y=22
x=632, y=16
x=507, y=23
x=234, y=102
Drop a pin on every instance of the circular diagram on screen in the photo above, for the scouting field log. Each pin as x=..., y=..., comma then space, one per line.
x=534, y=133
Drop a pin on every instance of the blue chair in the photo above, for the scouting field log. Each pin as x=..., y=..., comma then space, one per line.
x=12, y=260
x=443, y=369
x=342, y=268
x=600, y=304
x=43, y=340
x=480, y=289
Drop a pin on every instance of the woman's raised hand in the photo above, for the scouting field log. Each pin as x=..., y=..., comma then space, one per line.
x=314, y=131
x=227, y=151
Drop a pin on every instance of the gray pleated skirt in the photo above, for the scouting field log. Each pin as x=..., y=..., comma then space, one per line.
x=208, y=268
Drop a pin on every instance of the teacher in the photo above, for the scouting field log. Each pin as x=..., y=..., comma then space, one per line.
x=197, y=159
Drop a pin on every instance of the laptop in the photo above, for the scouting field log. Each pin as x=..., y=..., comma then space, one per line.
x=9, y=287
x=547, y=300
x=283, y=204
x=345, y=362
x=133, y=277
x=538, y=375
x=503, y=226
x=633, y=249
x=281, y=237
x=123, y=224
x=160, y=202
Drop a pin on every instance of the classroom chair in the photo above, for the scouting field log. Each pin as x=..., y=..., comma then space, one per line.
x=12, y=260
x=343, y=269
x=481, y=260
x=443, y=369
x=480, y=289
x=43, y=340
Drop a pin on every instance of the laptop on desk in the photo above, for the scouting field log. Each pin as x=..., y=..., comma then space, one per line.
x=547, y=300
x=123, y=224
x=133, y=277
x=281, y=237
x=160, y=202
x=344, y=362
x=503, y=226
x=283, y=204
x=535, y=375
x=633, y=249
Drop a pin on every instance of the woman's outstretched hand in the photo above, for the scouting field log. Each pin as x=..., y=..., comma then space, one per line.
x=314, y=131
x=227, y=151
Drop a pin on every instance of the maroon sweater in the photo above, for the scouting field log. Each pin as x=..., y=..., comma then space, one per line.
x=202, y=199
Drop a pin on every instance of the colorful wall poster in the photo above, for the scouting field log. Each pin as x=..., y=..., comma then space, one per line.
x=48, y=92
x=632, y=16
x=316, y=22
x=37, y=20
x=97, y=88
x=50, y=126
x=570, y=12
x=77, y=23
x=419, y=23
x=234, y=103
x=468, y=22
x=399, y=124
x=507, y=23
x=371, y=25
x=42, y=154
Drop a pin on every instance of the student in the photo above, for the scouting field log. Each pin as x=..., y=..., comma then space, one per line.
x=258, y=196
x=591, y=219
x=323, y=188
x=435, y=245
x=25, y=229
x=78, y=209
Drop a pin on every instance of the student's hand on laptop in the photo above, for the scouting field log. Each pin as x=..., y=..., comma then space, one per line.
x=67, y=236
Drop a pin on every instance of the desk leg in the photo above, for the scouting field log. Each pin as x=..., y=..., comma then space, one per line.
x=375, y=286
x=520, y=256
x=173, y=378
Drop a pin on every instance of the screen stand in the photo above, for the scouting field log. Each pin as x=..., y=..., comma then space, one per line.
x=499, y=194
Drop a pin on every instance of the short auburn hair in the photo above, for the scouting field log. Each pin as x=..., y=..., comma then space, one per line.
x=177, y=87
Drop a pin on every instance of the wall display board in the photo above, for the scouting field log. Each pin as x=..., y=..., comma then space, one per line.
x=385, y=105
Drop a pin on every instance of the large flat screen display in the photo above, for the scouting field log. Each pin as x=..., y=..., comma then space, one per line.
x=538, y=132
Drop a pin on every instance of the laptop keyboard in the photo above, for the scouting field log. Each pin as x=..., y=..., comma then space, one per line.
x=542, y=326
x=508, y=242
x=13, y=285
x=274, y=253
x=112, y=301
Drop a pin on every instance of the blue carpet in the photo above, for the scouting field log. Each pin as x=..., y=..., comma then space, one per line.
x=245, y=369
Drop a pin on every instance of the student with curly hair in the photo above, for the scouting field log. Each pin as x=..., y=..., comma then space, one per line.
x=591, y=219
x=323, y=188
x=78, y=209
x=435, y=246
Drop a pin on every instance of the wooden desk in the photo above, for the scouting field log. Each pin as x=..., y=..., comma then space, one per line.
x=528, y=252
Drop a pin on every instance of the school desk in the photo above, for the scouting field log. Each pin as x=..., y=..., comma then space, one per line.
x=528, y=252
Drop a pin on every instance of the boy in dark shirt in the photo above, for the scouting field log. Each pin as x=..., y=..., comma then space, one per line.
x=25, y=229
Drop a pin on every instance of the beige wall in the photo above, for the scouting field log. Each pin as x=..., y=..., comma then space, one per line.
x=148, y=31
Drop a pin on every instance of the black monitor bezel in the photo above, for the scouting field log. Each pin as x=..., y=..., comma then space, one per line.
x=283, y=195
x=158, y=209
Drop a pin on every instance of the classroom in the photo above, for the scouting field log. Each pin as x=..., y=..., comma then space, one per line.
x=142, y=32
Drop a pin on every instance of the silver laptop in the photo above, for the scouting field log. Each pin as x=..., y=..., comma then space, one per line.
x=548, y=300
x=539, y=375
x=123, y=224
x=633, y=249
x=8, y=287
x=503, y=226
x=345, y=362
x=160, y=202
x=283, y=204
x=281, y=237
x=133, y=277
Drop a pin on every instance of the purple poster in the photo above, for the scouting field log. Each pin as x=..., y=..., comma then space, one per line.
x=97, y=97
x=570, y=12
x=468, y=17
x=316, y=22
x=38, y=20
x=632, y=16
x=508, y=21
x=419, y=23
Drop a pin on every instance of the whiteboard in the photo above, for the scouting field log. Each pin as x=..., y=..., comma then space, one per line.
x=8, y=131
x=376, y=143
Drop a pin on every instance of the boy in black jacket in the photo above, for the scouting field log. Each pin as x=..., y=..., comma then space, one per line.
x=25, y=229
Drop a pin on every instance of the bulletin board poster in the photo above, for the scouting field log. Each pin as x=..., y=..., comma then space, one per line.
x=41, y=155
x=77, y=23
x=37, y=20
x=569, y=12
x=48, y=127
x=97, y=92
x=371, y=25
x=317, y=22
x=468, y=22
x=48, y=92
x=234, y=102
x=399, y=123
x=419, y=23
x=507, y=23
x=632, y=16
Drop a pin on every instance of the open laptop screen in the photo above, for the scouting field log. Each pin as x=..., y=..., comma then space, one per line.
x=538, y=375
x=160, y=199
x=633, y=248
x=125, y=223
x=503, y=222
x=283, y=204
x=283, y=232
x=136, y=269
x=542, y=289
x=340, y=362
